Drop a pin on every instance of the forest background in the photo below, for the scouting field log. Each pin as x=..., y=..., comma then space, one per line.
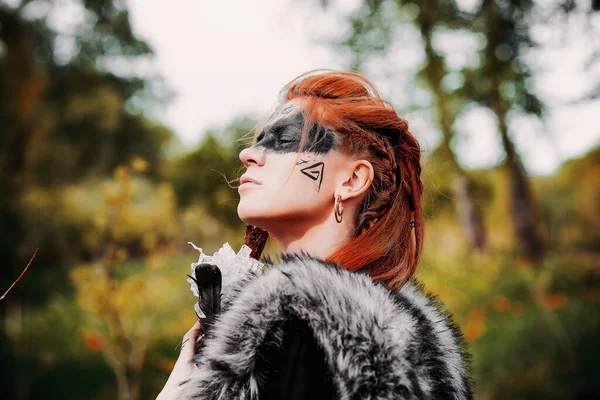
x=110, y=197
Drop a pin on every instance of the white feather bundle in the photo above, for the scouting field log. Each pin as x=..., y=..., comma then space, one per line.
x=234, y=267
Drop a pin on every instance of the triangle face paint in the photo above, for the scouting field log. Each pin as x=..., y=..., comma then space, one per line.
x=315, y=172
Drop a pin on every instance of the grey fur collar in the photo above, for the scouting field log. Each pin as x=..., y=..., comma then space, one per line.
x=378, y=344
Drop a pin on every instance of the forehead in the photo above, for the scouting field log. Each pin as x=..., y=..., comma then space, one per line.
x=283, y=111
x=283, y=132
x=287, y=115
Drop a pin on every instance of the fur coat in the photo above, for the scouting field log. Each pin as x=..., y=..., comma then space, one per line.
x=377, y=344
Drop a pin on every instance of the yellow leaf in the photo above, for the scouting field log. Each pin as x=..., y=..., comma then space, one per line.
x=139, y=164
x=121, y=173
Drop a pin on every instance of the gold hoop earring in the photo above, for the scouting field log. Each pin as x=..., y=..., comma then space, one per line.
x=338, y=209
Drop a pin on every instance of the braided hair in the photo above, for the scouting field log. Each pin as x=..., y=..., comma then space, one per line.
x=389, y=224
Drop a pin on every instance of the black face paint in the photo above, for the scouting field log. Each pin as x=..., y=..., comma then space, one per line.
x=315, y=172
x=283, y=135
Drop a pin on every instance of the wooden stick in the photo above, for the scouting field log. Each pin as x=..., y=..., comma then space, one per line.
x=256, y=238
x=20, y=276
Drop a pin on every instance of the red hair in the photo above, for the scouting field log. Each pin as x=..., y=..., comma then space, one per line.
x=384, y=242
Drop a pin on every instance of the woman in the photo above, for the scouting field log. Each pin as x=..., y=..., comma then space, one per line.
x=333, y=176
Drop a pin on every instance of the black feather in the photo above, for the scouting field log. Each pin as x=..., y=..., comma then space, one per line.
x=208, y=278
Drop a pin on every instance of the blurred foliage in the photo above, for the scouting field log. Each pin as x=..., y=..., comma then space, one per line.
x=532, y=333
x=571, y=203
x=120, y=303
x=64, y=118
x=86, y=176
x=203, y=176
x=531, y=330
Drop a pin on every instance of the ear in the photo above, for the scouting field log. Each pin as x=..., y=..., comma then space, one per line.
x=361, y=177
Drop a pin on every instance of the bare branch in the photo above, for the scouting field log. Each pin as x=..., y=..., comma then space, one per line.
x=20, y=276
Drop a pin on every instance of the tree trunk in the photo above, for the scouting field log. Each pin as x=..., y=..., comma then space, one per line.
x=522, y=203
x=469, y=215
x=135, y=383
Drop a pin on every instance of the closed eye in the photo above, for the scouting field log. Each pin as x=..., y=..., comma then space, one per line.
x=286, y=139
x=287, y=133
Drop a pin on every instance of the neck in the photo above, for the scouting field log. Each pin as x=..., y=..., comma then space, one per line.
x=318, y=240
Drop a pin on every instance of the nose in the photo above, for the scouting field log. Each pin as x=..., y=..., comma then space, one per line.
x=253, y=155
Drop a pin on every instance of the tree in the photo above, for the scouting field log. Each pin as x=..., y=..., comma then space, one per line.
x=447, y=106
x=122, y=306
x=500, y=83
x=378, y=19
x=66, y=116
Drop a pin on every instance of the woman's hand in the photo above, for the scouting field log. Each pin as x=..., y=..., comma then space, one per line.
x=183, y=367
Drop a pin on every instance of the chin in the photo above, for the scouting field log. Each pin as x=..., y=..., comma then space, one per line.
x=250, y=215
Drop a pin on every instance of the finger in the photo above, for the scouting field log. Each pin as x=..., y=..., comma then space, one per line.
x=193, y=332
x=188, y=345
x=195, y=327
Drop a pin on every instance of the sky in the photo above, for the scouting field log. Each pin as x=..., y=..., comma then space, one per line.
x=227, y=58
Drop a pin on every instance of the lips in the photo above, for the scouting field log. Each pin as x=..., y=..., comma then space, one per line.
x=247, y=180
